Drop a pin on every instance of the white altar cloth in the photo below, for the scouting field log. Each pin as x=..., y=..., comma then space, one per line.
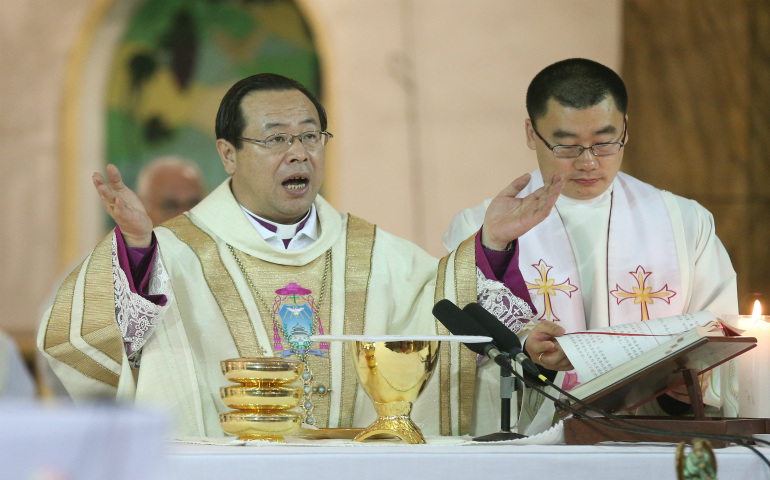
x=87, y=442
x=428, y=462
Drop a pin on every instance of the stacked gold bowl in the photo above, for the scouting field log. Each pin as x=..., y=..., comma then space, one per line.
x=262, y=399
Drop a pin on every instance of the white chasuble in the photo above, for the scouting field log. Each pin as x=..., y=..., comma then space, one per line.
x=231, y=294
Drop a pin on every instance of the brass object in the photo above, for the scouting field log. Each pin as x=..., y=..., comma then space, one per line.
x=262, y=400
x=260, y=426
x=699, y=464
x=393, y=374
x=329, y=433
x=257, y=371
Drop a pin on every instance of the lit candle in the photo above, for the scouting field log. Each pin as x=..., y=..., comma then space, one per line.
x=754, y=366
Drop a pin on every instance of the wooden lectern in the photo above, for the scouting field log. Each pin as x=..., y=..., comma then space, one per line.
x=652, y=381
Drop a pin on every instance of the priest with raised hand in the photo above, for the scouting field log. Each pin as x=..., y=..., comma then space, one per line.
x=150, y=314
x=614, y=250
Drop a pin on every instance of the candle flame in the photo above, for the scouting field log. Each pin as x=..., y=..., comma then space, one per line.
x=757, y=311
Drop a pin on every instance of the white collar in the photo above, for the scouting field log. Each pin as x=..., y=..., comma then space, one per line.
x=286, y=232
x=220, y=214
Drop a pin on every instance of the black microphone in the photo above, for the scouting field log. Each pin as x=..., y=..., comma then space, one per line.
x=460, y=323
x=505, y=339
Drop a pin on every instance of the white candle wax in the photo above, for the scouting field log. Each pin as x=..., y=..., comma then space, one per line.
x=754, y=367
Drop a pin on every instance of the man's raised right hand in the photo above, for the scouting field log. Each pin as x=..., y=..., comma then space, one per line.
x=543, y=347
x=124, y=207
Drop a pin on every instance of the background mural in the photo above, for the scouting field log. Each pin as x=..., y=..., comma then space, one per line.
x=177, y=60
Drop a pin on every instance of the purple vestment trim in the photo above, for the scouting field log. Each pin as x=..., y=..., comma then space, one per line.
x=136, y=263
x=265, y=224
x=503, y=267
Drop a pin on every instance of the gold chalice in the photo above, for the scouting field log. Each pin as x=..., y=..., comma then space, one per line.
x=394, y=370
x=393, y=374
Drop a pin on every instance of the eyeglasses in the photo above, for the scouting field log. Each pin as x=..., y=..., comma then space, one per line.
x=280, y=142
x=572, y=151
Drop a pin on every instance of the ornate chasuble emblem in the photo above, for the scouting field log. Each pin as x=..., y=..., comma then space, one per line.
x=295, y=315
x=547, y=287
x=642, y=293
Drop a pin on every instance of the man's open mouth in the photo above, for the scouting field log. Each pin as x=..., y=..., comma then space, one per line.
x=296, y=183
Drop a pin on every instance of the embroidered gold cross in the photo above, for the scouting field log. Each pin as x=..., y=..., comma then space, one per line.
x=548, y=288
x=642, y=294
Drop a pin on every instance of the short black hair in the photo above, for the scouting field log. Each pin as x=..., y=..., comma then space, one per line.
x=230, y=118
x=576, y=83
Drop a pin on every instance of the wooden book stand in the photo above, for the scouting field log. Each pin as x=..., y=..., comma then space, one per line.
x=583, y=432
x=651, y=382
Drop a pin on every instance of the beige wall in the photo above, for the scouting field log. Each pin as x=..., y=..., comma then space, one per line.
x=410, y=159
x=426, y=100
x=35, y=40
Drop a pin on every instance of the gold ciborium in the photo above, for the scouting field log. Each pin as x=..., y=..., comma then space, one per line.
x=261, y=371
x=262, y=400
x=260, y=426
x=256, y=399
x=393, y=374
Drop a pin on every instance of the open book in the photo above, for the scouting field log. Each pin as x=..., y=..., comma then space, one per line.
x=624, y=366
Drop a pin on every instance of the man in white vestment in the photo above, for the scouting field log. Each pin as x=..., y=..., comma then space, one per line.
x=614, y=250
x=255, y=269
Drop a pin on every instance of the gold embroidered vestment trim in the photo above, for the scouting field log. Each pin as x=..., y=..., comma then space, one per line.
x=359, y=249
x=100, y=328
x=220, y=282
x=57, y=335
x=466, y=291
x=445, y=357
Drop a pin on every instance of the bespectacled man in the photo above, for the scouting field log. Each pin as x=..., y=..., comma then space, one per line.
x=614, y=250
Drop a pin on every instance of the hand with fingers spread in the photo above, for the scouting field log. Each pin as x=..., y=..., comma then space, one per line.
x=124, y=207
x=543, y=348
x=508, y=217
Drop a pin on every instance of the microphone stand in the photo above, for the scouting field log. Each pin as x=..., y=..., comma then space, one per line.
x=508, y=385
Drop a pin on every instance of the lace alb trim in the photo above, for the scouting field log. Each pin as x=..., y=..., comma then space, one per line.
x=137, y=317
x=511, y=310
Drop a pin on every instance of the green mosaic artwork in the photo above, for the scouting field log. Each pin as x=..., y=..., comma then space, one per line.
x=177, y=60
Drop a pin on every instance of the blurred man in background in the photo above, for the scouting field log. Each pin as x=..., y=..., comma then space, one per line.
x=169, y=186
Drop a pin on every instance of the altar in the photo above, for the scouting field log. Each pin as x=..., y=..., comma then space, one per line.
x=468, y=461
